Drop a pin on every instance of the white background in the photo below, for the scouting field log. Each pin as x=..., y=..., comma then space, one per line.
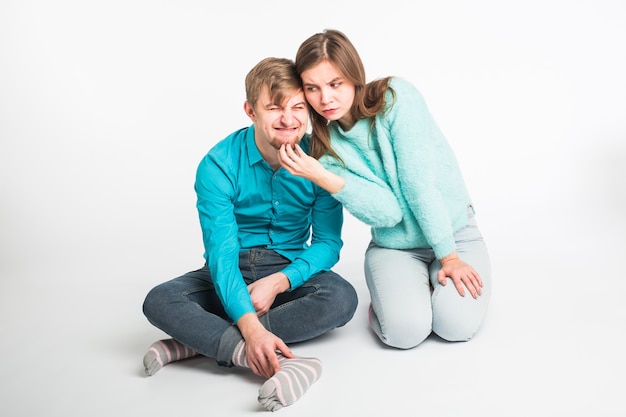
x=107, y=107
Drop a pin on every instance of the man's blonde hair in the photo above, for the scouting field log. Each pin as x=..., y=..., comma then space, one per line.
x=278, y=74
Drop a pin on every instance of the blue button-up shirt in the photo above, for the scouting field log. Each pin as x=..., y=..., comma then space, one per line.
x=243, y=203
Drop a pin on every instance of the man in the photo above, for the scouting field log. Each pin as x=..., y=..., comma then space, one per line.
x=270, y=242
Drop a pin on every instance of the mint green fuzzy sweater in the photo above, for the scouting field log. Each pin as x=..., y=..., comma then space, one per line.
x=402, y=177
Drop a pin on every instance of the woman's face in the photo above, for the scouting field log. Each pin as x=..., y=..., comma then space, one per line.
x=329, y=93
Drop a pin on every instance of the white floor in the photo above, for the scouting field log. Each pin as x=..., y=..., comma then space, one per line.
x=552, y=345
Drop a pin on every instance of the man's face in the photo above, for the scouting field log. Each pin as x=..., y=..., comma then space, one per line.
x=279, y=123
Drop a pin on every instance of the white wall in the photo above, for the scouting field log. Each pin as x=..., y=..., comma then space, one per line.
x=106, y=108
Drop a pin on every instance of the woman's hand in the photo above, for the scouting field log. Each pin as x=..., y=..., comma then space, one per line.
x=298, y=163
x=462, y=274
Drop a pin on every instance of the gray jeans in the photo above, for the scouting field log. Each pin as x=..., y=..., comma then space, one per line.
x=407, y=300
x=188, y=309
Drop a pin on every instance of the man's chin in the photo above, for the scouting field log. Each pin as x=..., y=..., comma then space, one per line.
x=287, y=142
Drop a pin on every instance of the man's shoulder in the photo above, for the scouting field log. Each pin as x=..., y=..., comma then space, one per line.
x=234, y=140
x=226, y=153
x=228, y=148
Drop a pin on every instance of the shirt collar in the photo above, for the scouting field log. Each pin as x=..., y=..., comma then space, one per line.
x=254, y=155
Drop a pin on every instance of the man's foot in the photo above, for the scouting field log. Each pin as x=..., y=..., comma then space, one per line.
x=290, y=383
x=163, y=352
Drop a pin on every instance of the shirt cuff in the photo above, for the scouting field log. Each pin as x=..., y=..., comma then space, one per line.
x=294, y=276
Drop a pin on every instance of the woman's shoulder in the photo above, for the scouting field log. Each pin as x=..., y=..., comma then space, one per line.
x=403, y=93
x=403, y=86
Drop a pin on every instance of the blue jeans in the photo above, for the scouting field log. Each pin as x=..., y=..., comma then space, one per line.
x=187, y=308
x=407, y=300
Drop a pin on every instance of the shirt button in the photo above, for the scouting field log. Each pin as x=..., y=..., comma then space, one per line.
x=276, y=203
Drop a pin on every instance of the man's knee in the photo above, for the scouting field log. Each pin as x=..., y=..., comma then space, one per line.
x=346, y=300
x=155, y=301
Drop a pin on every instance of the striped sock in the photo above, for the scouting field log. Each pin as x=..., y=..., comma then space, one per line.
x=239, y=355
x=290, y=383
x=163, y=352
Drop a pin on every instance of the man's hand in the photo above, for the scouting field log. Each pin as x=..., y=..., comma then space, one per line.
x=263, y=292
x=462, y=274
x=262, y=346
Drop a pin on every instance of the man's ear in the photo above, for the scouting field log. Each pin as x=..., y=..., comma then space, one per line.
x=249, y=111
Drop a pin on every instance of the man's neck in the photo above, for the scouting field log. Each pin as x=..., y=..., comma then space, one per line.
x=269, y=154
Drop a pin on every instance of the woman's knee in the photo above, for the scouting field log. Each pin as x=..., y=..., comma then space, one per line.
x=407, y=340
x=404, y=332
x=455, y=333
x=455, y=328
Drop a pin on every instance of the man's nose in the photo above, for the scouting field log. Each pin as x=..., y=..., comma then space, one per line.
x=287, y=116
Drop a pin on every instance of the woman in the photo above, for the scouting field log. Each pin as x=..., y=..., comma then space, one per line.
x=378, y=151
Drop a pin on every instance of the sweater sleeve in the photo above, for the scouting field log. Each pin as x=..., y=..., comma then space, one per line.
x=423, y=160
x=364, y=195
